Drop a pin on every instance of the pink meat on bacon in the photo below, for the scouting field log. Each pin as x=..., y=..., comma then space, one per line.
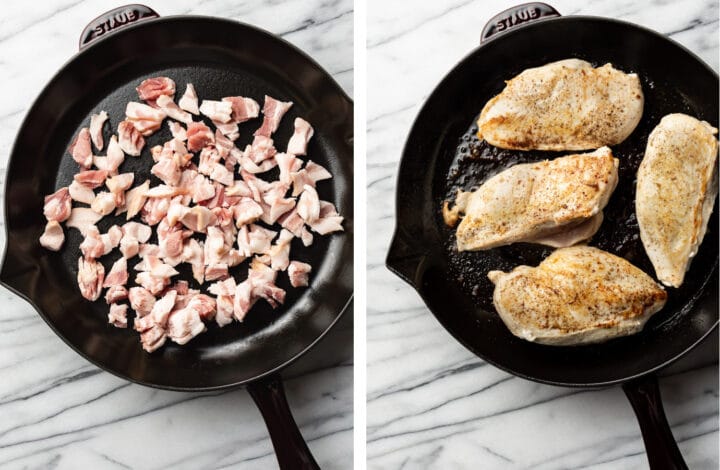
x=118, y=315
x=146, y=119
x=96, y=124
x=214, y=272
x=82, y=218
x=116, y=294
x=218, y=111
x=198, y=136
x=118, y=184
x=167, y=170
x=141, y=300
x=262, y=148
x=300, y=138
x=273, y=112
x=118, y=275
x=189, y=100
x=184, y=325
x=115, y=156
x=151, y=89
x=81, y=193
x=92, y=247
x=58, y=205
x=91, y=275
x=130, y=139
x=53, y=237
x=91, y=178
x=104, y=203
x=172, y=110
x=298, y=273
x=81, y=150
x=243, y=109
x=317, y=172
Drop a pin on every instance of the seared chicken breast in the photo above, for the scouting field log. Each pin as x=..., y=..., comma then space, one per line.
x=676, y=189
x=577, y=295
x=565, y=105
x=554, y=202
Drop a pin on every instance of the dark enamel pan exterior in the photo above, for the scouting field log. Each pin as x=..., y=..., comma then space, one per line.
x=417, y=251
x=221, y=58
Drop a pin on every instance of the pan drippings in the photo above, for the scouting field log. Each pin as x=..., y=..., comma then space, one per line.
x=476, y=161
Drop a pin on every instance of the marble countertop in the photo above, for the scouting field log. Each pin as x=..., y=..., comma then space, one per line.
x=59, y=411
x=431, y=403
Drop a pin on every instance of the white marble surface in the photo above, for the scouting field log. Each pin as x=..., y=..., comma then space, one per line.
x=431, y=403
x=59, y=411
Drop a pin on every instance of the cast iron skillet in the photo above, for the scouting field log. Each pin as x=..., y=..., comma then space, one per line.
x=220, y=58
x=442, y=154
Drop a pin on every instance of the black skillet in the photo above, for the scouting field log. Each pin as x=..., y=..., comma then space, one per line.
x=221, y=58
x=442, y=154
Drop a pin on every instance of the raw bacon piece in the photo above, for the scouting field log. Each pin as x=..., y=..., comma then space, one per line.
x=154, y=284
x=273, y=112
x=219, y=111
x=115, y=294
x=135, y=200
x=90, y=278
x=262, y=148
x=243, y=109
x=198, y=136
x=203, y=189
x=193, y=253
x=152, y=338
x=164, y=191
x=229, y=129
x=224, y=287
x=300, y=138
x=298, y=273
x=214, y=272
x=138, y=231
x=115, y=156
x=317, y=172
x=151, y=89
x=81, y=193
x=82, y=218
x=189, y=100
x=225, y=308
x=58, y=205
x=167, y=170
x=118, y=184
x=53, y=237
x=104, y=203
x=293, y=222
x=91, y=178
x=177, y=130
x=184, y=325
x=118, y=275
x=154, y=210
x=130, y=139
x=279, y=253
x=307, y=237
x=118, y=315
x=81, y=150
x=92, y=247
x=246, y=211
x=173, y=110
x=204, y=305
x=162, y=308
x=299, y=180
x=146, y=119
x=141, y=300
x=286, y=162
x=329, y=220
x=221, y=174
x=198, y=218
x=309, y=205
x=96, y=124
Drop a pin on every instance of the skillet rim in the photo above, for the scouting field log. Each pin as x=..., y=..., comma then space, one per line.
x=704, y=291
x=335, y=88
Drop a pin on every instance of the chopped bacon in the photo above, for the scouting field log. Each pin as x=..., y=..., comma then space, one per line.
x=91, y=178
x=172, y=110
x=184, y=325
x=170, y=239
x=299, y=180
x=90, y=278
x=118, y=184
x=135, y=200
x=115, y=156
x=177, y=130
x=96, y=124
x=152, y=88
x=329, y=220
x=286, y=162
x=204, y=305
x=253, y=239
x=298, y=273
x=92, y=247
x=104, y=203
x=279, y=253
x=203, y=189
x=224, y=145
x=82, y=218
x=273, y=112
x=198, y=136
x=152, y=338
x=293, y=222
x=262, y=148
x=58, y=205
x=246, y=211
x=111, y=239
x=228, y=129
x=162, y=308
x=138, y=231
x=300, y=138
x=317, y=172
x=81, y=150
x=221, y=174
x=219, y=111
x=216, y=271
x=167, y=170
x=193, y=253
x=243, y=109
x=239, y=188
x=189, y=100
x=115, y=294
x=130, y=139
x=146, y=119
x=225, y=308
x=141, y=300
x=53, y=237
x=164, y=191
x=118, y=315
x=154, y=284
x=81, y=193
x=118, y=275
x=198, y=218
x=224, y=287
x=154, y=210
x=307, y=237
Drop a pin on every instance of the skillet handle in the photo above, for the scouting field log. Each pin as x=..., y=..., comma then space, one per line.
x=515, y=17
x=113, y=20
x=662, y=450
x=290, y=448
x=403, y=260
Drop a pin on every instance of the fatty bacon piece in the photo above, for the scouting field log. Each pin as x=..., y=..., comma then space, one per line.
x=130, y=139
x=118, y=275
x=53, y=237
x=198, y=136
x=300, y=138
x=298, y=273
x=273, y=112
x=189, y=100
x=134, y=233
x=146, y=119
x=118, y=315
x=81, y=150
x=141, y=300
x=118, y=184
x=82, y=218
x=243, y=109
x=115, y=157
x=91, y=275
x=58, y=206
x=172, y=110
x=217, y=111
x=259, y=284
x=151, y=89
x=184, y=325
x=91, y=178
x=135, y=199
x=96, y=124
